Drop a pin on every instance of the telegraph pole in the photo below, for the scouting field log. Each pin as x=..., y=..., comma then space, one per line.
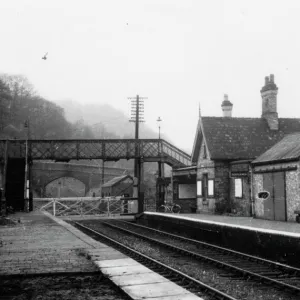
x=137, y=116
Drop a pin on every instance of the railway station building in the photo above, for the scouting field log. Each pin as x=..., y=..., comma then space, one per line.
x=223, y=151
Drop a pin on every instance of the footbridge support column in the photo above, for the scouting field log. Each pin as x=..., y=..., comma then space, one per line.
x=160, y=187
x=3, y=169
x=141, y=186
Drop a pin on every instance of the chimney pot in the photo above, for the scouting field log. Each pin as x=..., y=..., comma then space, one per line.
x=272, y=78
x=266, y=80
x=226, y=107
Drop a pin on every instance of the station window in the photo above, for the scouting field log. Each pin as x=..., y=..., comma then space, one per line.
x=199, y=188
x=238, y=188
x=211, y=187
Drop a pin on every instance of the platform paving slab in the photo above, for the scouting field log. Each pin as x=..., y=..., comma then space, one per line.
x=139, y=282
x=150, y=290
x=177, y=297
x=126, y=270
x=117, y=263
x=135, y=279
x=104, y=254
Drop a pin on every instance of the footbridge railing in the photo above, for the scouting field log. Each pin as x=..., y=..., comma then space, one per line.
x=110, y=150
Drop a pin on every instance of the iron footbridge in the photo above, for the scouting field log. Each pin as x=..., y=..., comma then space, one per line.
x=148, y=150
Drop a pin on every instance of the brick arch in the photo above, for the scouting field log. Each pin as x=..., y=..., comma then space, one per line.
x=45, y=187
x=42, y=173
x=40, y=181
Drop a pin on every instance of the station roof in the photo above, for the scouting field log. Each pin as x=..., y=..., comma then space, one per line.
x=285, y=150
x=230, y=138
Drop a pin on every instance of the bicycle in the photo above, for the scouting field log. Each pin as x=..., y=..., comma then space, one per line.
x=170, y=208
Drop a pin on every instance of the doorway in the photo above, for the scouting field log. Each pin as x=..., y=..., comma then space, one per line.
x=275, y=205
x=15, y=180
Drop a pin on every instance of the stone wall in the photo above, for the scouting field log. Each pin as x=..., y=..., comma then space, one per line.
x=205, y=166
x=241, y=206
x=222, y=180
x=186, y=205
x=219, y=171
x=292, y=193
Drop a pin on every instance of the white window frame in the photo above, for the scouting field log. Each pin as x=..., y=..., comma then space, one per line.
x=238, y=187
x=199, y=188
x=210, y=187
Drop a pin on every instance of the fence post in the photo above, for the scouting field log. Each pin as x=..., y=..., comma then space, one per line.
x=108, y=212
x=54, y=207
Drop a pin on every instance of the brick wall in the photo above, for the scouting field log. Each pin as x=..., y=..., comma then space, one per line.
x=269, y=101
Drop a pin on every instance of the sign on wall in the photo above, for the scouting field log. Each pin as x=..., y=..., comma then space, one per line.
x=187, y=191
x=239, y=170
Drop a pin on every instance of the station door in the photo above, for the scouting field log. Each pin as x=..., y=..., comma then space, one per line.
x=275, y=205
x=15, y=180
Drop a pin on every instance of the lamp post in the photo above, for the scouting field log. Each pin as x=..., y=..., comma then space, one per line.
x=159, y=187
x=158, y=123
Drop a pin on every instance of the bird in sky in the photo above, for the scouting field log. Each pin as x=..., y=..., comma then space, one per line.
x=45, y=56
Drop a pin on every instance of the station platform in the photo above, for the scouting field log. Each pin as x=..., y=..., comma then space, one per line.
x=272, y=240
x=41, y=244
x=273, y=227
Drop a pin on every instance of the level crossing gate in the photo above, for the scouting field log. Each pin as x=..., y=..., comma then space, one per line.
x=87, y=206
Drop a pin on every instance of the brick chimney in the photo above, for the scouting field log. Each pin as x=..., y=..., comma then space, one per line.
x=269, y=102
x=226, y=107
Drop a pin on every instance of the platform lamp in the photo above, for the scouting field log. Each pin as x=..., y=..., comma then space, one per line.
x=159, y=187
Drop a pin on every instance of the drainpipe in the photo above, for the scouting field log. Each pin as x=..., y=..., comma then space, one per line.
x=252, y=212
x=3, y=188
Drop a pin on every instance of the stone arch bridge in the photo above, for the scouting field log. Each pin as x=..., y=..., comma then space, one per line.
x=43, y=173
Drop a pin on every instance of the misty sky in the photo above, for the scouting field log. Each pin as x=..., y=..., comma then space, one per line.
x=176, y=53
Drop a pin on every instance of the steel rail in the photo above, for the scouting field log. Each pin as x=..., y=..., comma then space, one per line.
x=285, y=268
x=236, y=269
x=174, y=275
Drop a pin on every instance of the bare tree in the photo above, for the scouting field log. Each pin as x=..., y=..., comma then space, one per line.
x=5, y=104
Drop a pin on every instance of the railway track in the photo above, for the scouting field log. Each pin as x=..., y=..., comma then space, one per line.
x=280, y=276
x=195, y=286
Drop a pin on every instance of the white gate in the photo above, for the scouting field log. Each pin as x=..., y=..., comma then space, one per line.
x=81, y=206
